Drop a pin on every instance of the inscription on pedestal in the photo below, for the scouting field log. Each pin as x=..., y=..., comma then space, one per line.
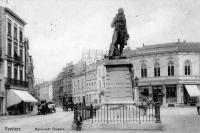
x=118, y=85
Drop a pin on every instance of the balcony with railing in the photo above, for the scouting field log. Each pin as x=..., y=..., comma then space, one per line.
x=19, y=83
x=17, y=58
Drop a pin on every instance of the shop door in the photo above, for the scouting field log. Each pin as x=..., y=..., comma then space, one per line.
x=156, y=91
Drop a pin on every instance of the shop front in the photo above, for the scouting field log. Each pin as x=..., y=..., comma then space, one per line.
x=171, y=94
x=190, y=94
x=18, y=101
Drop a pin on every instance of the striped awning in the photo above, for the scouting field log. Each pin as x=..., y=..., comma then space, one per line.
x=193, y=90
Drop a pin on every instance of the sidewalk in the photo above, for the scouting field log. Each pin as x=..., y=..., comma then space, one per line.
x=33, y=113
x=8, y=117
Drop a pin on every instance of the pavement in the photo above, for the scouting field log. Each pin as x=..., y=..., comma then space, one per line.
x=7, y=117
x=174, y=119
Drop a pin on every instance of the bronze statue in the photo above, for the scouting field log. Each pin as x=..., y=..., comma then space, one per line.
x=120, y=35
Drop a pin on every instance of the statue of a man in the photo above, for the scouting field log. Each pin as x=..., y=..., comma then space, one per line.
x=120, y=35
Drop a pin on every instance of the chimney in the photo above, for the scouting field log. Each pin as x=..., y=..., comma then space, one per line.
x=143, y=44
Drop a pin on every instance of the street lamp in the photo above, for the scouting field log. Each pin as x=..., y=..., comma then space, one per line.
x=136, y=97
x=136, y=81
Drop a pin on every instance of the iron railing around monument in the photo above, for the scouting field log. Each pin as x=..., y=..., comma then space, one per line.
x=120, y=113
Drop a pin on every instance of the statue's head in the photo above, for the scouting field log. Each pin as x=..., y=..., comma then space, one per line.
x=120, y=11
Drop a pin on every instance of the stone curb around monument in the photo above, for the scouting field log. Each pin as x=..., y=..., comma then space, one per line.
x=123, y=126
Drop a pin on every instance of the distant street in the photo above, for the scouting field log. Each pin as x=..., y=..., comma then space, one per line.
x=174, y=119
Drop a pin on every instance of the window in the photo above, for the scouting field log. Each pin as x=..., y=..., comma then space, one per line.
x=187, y=68
x=9, y=28
x=143, y=71
x=21, y=53
x=20, y=36
x=15, y=72
x=90, y=97
x=15, y=32
x=21, y=73
x=157, y=70
x=15, y=50
x=9, y=71
x=170, y=68
x=9, y=49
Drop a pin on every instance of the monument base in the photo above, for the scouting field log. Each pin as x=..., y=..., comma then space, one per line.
x=118, y=82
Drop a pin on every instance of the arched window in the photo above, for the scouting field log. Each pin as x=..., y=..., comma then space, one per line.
x=143, y=71
x=170, y=68
x=156, y=69
x=187, y=67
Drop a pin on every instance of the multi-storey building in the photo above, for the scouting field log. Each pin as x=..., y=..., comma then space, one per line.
x=92, y=96
x=29, y=74
x=45, y=91
x=172, y=69
x=12, y=65
x=62, y=85
x=78, y=83
x=58, y=89
x=101, y=79
x=67, y=81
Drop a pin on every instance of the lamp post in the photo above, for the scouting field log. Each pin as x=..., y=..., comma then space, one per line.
x=136, y=89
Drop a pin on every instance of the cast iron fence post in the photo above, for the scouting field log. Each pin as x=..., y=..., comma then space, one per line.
x=157, y=112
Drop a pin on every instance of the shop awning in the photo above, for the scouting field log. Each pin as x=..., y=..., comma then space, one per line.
x=193, y=90
x=16, y=96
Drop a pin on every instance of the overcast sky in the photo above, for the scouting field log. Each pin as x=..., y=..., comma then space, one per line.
x=60, y=29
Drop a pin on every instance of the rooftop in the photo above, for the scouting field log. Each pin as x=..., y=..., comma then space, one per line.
x=14, y=15
x=185, y=47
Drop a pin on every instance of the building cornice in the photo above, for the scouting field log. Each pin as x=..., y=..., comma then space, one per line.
x=14, y=15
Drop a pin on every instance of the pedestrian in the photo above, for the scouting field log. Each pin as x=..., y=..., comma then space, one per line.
x=78, y=121
x=91, y=110
x=198, y=106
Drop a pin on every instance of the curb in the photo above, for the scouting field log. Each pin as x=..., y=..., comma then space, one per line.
x=29, y=115
x=123, y=126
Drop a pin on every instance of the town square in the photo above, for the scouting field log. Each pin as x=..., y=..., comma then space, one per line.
x=99, y=66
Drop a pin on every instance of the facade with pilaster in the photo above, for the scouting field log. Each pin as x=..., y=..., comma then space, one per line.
x=58, y=87
x=78, y=83
x=12, y=54
x=67, y=82
x=101, y=80
x=92, y=96
x=172, y=69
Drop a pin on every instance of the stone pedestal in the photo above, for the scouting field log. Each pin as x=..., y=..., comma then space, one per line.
x=118, y=82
